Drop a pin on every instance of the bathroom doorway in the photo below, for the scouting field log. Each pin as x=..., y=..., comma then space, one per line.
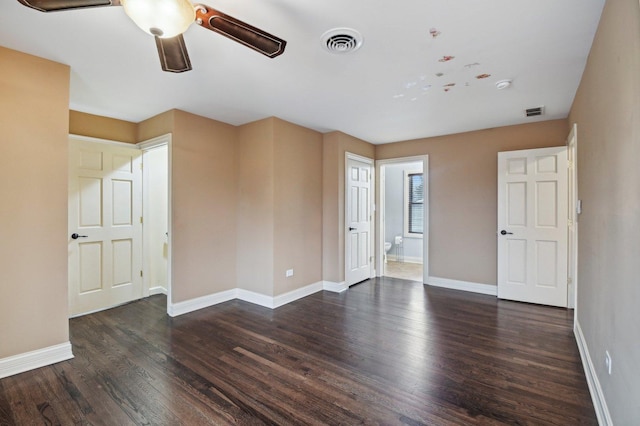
x=403, y=225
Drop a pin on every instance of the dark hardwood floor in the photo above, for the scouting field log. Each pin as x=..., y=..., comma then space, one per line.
x=385, y=352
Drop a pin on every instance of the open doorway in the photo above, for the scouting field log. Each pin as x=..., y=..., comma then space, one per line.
x=403, y=230
x=157, y=223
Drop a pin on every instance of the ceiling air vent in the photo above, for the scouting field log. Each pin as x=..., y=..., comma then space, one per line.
x=341, y=40
x=534, y=112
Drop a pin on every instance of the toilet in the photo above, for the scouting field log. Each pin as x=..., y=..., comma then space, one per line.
x=387, y=247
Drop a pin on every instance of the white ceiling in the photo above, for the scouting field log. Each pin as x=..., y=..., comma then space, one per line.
x=386, y=91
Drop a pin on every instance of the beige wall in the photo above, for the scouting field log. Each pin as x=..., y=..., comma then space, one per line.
x=96, y=126
x=155, y=126
x=255, y=175
x=334, y=147
x=607, y=111
x=297, y=225
x=203, y=192
x=34, y=124
x=279, y=206
x=463, y=176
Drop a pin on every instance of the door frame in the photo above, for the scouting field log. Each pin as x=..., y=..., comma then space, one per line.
x=380, y=216
x=573, y=212
x=147, y=145
x=371, y=162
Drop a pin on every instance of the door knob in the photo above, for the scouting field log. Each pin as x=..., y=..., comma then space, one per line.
x=503, y=232
x=352, y=229
x=76, y=236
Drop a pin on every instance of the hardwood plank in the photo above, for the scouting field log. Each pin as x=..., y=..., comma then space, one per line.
x=387, y=351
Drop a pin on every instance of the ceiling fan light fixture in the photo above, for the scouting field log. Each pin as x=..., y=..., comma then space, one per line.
x=162, y=18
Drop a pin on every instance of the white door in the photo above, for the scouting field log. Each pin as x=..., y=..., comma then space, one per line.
x=358, y=221
x=532, y=226
x=105, y=229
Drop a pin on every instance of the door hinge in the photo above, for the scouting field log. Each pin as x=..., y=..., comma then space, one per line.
x=370, y=258
x=141, y=165
x=569, y=164
x=569, y=280
x=570, y=223
x=141, y=273
x=140, y=219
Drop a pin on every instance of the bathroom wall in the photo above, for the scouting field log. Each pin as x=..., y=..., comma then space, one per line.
x=394, y=212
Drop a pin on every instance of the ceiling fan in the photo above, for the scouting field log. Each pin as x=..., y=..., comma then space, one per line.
x=166, y=20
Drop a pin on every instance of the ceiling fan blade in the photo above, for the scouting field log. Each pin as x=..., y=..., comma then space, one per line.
x=252, y=37
x=57, y=5
x=173, y=54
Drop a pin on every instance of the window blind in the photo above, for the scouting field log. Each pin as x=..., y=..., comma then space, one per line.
x=416, y=203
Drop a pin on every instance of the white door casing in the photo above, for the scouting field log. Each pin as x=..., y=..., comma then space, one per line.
x=358, y=219
x=572, y=280
x=532, y=226
x=105, y=210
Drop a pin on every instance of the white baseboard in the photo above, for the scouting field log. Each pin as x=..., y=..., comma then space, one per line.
x=273, y=302
x=270, y=302
x=157, y=290
x=191, y=305
x=334, y=287
x=35, y=359
x=299, y=293
x=489, y=289
x=597, y=396
x=255, y=298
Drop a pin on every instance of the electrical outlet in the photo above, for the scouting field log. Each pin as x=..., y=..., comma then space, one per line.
x=607, y=361
x=289, y=273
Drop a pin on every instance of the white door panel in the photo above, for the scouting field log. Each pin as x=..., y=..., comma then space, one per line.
x=532, y=225
x=105, y=207
x=359, y=221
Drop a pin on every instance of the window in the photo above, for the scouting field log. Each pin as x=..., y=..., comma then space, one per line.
x=414, y=204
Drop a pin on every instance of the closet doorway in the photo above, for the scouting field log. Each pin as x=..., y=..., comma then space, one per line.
x=156, y=157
